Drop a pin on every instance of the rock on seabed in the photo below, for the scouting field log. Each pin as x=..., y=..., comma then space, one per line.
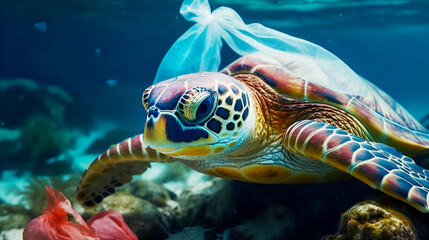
x=369, y=220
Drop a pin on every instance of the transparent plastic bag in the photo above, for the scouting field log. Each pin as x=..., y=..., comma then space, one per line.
x=198, y=49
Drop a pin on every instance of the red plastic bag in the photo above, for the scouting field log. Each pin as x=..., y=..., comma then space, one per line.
x=109, y=225
x=55, y=225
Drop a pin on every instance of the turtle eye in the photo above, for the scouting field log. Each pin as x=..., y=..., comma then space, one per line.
x=197, y=104
x=145, y=97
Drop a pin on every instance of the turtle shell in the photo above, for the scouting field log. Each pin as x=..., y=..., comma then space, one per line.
x=384, y=118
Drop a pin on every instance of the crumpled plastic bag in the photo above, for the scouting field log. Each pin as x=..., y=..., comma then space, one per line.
x=109, y=225
x=198, y=49
x=55, y=225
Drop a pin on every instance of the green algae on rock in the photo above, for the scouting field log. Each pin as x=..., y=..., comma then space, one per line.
x=370, y=220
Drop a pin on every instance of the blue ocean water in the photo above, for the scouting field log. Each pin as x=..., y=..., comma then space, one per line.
x=103, y=54
x=88, y=43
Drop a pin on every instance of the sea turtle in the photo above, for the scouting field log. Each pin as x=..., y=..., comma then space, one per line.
x=258, y=121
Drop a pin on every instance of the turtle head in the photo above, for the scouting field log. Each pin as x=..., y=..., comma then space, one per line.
x=196, y=116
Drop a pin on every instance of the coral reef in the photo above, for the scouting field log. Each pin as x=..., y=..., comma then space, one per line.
x=29, y=98
x=31, y=147
x=35, y=138
x=214, y=207
x=152, y=212
x=13, y=217
x=39, y=128
x=235, y=210
x=33, y=195
x=210, y=207
x=9, y=147
x=41, y=139
x=369, y=220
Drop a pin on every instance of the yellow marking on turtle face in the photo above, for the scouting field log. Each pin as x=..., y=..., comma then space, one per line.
x=231, y=173
x=219, y=149
x=156, y=133
x=304, y=177
x=267, y=173
x=156, y=136
x=193, y=151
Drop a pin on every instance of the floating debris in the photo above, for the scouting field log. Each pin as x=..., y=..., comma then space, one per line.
x=41, y=26
x=112, y=82
x=98, y=51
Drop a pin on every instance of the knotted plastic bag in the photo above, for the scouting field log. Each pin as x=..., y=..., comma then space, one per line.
x=198, y=49
x=54, y=224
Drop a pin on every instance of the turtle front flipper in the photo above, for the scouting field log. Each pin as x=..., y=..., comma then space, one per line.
x=378, y=165
x=116, y=167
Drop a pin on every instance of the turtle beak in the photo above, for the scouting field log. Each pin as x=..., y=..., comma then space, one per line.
x=165, y=133
x=155, y=131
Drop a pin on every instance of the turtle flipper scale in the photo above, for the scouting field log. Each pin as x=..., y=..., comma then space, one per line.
x=378, y=165
x=114, y=168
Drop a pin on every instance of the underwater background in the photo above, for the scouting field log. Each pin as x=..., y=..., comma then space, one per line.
x=72, y=73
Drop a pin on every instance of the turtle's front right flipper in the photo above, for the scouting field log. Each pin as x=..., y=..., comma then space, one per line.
x=378, y=165
x=116, y=167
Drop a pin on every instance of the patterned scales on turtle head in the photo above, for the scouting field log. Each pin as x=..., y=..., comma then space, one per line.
x=252, y=122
